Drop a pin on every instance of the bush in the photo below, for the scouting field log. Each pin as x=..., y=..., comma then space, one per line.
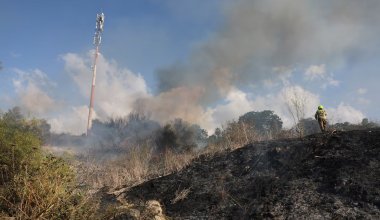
x=48, y=192
x=19, y=147
x=34, y=185
x=180, y=136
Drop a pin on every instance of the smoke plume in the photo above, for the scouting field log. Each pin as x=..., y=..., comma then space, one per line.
x=32, y=89
x=259, y=36
x=116, y=88
x=258, y=41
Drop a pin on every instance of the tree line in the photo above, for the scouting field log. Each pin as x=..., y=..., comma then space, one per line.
x=119, y=134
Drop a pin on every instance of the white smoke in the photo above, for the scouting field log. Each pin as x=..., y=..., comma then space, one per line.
x=116, y=88
x=238, y=102
x=345, y=113
x=73, y=120
x=117, y=95
x=235, y=104
x=32, y=89
x=259, y=41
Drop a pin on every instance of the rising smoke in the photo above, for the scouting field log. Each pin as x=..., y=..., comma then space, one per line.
x=259, y=38
x=258, y=41
x=32, y=89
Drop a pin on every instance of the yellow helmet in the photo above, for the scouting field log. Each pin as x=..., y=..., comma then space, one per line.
x=320, y=107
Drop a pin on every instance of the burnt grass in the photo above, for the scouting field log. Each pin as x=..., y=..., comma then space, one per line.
x=322, y=176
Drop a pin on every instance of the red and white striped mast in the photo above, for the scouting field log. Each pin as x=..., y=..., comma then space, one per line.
x=97, y=41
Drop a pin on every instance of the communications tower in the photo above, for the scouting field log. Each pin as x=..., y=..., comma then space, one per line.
x=97, y=41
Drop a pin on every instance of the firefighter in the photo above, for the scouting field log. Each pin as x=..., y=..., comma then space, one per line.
x=321, y=117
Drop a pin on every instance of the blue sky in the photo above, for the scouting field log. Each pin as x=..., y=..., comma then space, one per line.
x=205, y=61
x=141, y=35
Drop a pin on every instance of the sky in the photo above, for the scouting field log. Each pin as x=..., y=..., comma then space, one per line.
x=207, y=62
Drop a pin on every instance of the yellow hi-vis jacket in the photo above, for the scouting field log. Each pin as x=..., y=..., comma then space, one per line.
x=320, y=114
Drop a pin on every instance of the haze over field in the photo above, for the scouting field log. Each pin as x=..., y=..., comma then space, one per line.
x=203, y=62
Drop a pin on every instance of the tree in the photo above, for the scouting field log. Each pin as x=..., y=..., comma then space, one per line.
x=13, y=116
x=366, y=123
x=181, y=136
x=167, y=139
x=265, y=123
x=140, y=128
x=121, y=133
x=346, y=126
x=296, y=103
x=215, y=140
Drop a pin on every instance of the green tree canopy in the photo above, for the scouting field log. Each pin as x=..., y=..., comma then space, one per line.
x=265, y=122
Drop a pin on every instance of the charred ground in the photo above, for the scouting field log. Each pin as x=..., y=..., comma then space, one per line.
x=320, y=176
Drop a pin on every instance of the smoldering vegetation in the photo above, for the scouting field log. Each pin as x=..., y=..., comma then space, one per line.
x=130, y=150
x=118, y=152
x=321, y=176
x=259, y=40
x=117, y=136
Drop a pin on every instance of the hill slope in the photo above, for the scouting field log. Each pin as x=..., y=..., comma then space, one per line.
x=320, y=176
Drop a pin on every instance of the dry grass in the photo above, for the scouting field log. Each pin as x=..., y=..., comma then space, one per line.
x=142, y=163
x=139, y=165
x=47, y=193
x=180, y=195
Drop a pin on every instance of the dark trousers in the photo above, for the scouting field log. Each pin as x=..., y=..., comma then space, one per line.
x=322, y=124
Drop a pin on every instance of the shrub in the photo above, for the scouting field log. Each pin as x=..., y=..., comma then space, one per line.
x=34, y=185
x=48, y=192
x=19, y=147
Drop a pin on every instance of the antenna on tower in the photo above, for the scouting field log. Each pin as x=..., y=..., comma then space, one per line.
x=97, y=41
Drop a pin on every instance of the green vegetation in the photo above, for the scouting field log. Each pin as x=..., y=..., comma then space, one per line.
x=266, y=123
x=121, y=151
x=33, y=184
